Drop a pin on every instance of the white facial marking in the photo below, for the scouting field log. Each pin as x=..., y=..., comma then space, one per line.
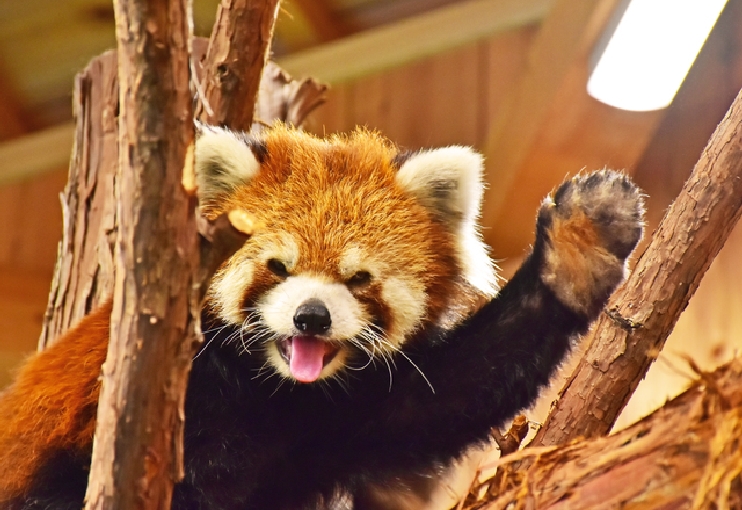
x=279, y=305
x=230, y=284
x=283, y=248
x=408, y=299
x=356, y=259
x=228, y=290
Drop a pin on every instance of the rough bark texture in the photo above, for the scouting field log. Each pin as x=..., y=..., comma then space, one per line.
x=238, y=50
x=640, y=316
x=137, y=452
x=84, y=271
x=83, y=276
x=685, y=455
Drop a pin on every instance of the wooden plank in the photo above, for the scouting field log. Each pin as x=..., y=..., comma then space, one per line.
x=23, y=297
x=36, y=153
x=334, y=115
x=381, y=48
x=31, y=221
x=41, y=222
x=423, y=108
x=293, y=32
x=15, y=120
x=415, y=38
x=11, y=209
x=550, y=127
x=505, y=63
x=68, y=44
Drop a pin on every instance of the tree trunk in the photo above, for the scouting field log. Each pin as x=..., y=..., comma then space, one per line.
x=138, y=447
x=233, y=64
x=151, y=226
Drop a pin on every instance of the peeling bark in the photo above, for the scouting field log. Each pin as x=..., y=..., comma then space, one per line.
x=83, y=276
x=153, y=217
x=685, y=455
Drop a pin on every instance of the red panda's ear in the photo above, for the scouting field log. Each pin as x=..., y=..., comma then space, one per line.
x=446, y=180
x=224, y=160
x=449, y=181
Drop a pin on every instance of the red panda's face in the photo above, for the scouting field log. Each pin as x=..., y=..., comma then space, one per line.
x=356, y=248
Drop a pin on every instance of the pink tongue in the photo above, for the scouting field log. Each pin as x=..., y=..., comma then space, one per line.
x=307, y=358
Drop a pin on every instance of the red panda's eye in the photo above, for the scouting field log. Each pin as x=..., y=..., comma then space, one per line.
x=277, y=267
x=359, y=278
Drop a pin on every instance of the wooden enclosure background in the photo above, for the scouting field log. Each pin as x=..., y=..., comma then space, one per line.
x=446, y=99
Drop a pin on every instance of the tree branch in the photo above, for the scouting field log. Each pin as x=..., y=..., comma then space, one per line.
x=83, y=275
x=84, y=272
x=282, y=97
x=641, y=314
x=237, y=53
x=137, y=452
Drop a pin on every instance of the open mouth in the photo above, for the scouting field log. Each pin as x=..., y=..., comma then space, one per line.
x=307, y=355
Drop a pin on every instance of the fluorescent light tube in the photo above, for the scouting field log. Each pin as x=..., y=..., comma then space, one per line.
x=641, y=64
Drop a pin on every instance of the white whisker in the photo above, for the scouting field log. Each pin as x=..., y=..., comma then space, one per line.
x=396, y=349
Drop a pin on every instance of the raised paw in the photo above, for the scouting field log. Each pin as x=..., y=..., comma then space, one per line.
x=587, y=230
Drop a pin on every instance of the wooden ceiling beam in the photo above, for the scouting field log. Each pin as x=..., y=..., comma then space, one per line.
x=550, y=128
x=326, y=23
x=36, y=153
x=412, y=39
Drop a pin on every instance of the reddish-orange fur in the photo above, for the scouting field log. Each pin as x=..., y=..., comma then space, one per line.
x=575, y=239
x=53, y=402
x=287, y=190
x=578, y=258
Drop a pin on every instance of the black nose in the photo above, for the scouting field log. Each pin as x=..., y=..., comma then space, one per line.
x=312, y=317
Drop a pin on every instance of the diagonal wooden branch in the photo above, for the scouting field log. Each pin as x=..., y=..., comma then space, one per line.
x=685, y=455
x=642, y=313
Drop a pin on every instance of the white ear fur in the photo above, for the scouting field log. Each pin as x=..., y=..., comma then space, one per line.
x=449, y=181
x=224, y=160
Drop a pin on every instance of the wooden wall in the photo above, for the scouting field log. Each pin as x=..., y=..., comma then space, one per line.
x=447, y=99
x=30, y=229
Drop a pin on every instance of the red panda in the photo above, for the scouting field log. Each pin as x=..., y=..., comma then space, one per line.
x=342, y=352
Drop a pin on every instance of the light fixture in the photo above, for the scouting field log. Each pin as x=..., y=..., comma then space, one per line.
x=640, y=64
